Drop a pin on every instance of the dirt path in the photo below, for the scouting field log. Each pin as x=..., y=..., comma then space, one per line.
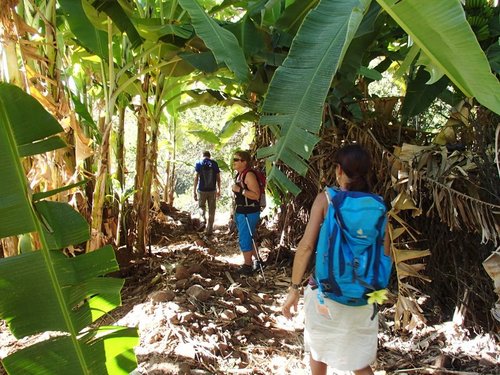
x=196, y=315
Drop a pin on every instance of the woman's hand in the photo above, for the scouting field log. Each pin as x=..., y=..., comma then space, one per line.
x=292, y=301
x=236, y=188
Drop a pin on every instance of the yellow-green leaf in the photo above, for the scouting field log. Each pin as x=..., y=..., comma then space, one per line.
x=378, y=296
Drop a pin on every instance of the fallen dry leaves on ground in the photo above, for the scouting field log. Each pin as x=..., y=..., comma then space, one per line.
x=197, y=315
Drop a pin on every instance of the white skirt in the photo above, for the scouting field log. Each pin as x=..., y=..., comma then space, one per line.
x=345, y=338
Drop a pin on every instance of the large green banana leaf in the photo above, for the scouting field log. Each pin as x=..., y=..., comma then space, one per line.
x=294, y=105
x=441, y=30
x=44, y=290
x=297, y=92
x=120, y=18
x=292, y=17
x=221, y=42
x=420, y=95
x=86, y=34
x=251, y=39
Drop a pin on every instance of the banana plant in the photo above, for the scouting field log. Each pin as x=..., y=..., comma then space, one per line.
x=293, y=107
x=294, y=104
x=44, y=290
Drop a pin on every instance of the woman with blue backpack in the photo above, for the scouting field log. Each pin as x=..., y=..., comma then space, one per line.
x=347, y=234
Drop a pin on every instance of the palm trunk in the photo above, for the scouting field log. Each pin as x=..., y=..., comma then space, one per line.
x=140, y=165
x=9, y=58
x=10, y=246
x=120, y=162
x=98, y=197
x=171, y=187
x=168, y=194
x=120, y=150
x=150, y=171
x=51, y=51
x=11, y=74
x=170, y=172
x=145, y=196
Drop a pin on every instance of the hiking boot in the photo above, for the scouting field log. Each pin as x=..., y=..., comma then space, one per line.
x=246, y=269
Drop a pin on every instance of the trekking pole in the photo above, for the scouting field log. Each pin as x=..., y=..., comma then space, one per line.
x=256, y=249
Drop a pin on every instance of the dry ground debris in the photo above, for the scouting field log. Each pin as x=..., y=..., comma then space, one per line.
x=197, y=315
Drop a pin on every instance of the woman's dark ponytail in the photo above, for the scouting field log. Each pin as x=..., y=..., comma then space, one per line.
x=356, y=163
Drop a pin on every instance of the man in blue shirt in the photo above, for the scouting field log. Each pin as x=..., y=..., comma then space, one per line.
x=207, y=188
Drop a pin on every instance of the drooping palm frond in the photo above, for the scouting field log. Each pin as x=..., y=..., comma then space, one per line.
x=294, y=104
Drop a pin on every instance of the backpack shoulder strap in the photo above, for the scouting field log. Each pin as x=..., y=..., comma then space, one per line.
x=331, y=196
x=330, y=193
x=336, y=197
x=244, y=173
x=241, y=176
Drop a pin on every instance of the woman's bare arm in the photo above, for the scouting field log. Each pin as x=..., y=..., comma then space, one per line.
x=253, y=190
x=305, y=250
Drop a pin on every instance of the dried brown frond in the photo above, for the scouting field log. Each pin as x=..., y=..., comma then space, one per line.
x=7, y=9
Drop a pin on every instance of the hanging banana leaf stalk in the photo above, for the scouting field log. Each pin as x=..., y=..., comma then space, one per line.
x=294, y=104
x=44, y=290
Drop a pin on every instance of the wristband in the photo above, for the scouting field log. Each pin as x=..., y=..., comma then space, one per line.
x=295, y=286
x=243, y=191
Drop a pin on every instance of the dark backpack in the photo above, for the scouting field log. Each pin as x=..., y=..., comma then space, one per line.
x=350, y=258
x=207, y=176
x=261, y=179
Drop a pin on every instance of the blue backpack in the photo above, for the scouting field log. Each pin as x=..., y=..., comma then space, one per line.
x=350, y=259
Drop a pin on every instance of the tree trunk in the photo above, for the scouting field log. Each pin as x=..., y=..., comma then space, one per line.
x=120, y=165
x=10, y=245
x=120, y=149
x=145, y=196
x=168, y=194
x=96, y=238
x=9, y=57
x=149, y=173
x=170, y=175
x=140, y=165
x=51, y=52
x=11, y=74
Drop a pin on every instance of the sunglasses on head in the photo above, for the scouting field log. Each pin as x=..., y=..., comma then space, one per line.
x=236, y=159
